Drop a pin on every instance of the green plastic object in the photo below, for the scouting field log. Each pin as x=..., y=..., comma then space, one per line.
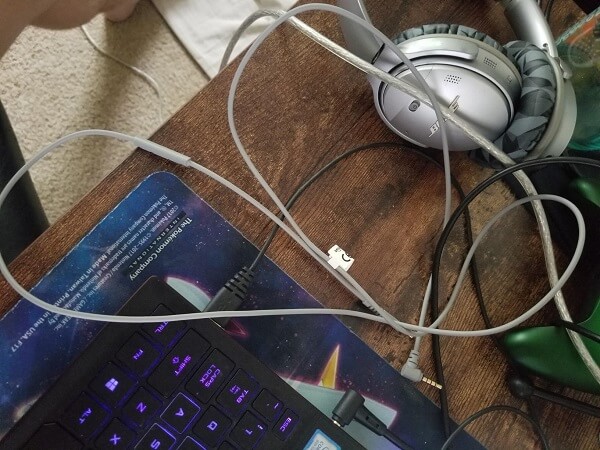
x=548, y=351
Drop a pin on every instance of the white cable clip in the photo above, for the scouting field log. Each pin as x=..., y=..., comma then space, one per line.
x=339, y=258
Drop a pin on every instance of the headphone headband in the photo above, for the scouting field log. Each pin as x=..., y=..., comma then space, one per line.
x=524, y=16
x=529, y=24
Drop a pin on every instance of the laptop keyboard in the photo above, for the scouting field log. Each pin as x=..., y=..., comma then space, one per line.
x=171, y=385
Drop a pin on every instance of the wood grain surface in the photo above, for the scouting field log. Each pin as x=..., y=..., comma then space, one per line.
x=297, y=108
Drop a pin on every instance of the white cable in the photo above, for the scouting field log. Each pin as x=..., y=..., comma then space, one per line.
x=186, y=161
x=139, y=72
x=248, y=21
x=311, y=33
x=364, y=296
x=431, y=101
x=451, y=332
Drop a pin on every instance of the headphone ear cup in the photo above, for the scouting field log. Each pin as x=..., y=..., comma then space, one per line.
x=468, y=70
x=533, y=109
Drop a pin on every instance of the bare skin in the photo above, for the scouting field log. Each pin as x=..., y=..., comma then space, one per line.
x=15, y=15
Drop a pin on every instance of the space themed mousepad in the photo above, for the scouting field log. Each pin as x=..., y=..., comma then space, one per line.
x=162, y=228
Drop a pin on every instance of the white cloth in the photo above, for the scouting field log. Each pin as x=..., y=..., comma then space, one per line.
x=205, y=27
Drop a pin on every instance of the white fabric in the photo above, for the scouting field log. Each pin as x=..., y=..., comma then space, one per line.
x=205, y=27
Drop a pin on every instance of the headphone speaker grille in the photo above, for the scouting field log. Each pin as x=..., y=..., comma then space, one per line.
x=453, y=79
x=493, y=64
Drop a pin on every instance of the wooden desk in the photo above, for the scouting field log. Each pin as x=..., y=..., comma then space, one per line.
x=297, y=108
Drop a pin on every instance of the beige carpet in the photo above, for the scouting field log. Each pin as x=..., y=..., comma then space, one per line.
x=54, y=82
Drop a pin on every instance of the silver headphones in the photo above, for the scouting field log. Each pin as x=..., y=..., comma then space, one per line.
x=517, y=95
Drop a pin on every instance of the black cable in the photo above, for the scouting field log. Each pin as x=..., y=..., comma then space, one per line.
x=478, y=190
x=486, y=320
x=351, y=407
x=579, y=329
x=305, y=184
x=495, y=408
x=436, y=350
x=463, y=207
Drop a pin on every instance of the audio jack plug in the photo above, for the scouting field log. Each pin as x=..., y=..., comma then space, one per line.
x=410, y=370
x=352, y=407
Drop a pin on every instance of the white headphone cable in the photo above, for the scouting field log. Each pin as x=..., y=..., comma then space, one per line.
x=179, y=158
x=186, y=161
x=139, y=72
x=431, y=101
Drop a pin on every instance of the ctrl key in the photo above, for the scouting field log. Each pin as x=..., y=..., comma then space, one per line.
x=51, y=436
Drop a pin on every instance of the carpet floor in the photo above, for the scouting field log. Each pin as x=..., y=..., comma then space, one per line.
x=54, y=82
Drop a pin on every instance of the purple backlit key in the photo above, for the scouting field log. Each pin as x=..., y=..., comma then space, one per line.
x=180, y=361
x=211, y=374
x=269, y=406
x=84, y=416
x=141, y=407
x=157, y=438
x=138, y=355
x=180, y=413
x=112, y=385
x=117, y=436
x=164, y=332
x=238, y=393
x=248, y=431
x=286, y=424
x=212, y=426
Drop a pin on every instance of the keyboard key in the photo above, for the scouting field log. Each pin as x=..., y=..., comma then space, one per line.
x=138, y=355
x=268, y=405
x=51, y=436
x=213, y=372
x=248, y=431
x=180, y=361
x=286, y=425
x=164, y=332
x=84, y=417
x=226, y=446
x=157, y=438
x=238, y=393
x=190, y=444
x=112, y=385
x=180, y=413
x=141, y=407
x=212, y=426
x=116, y=436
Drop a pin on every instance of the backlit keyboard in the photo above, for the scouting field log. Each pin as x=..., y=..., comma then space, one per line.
x=172, y=385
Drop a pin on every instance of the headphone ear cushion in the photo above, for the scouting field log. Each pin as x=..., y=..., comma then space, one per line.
x=534, y=108
x=445, y=28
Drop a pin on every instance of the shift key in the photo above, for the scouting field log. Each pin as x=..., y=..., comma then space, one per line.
x=180, y=361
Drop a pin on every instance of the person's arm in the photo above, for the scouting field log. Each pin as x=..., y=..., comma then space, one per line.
x=15, y=15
